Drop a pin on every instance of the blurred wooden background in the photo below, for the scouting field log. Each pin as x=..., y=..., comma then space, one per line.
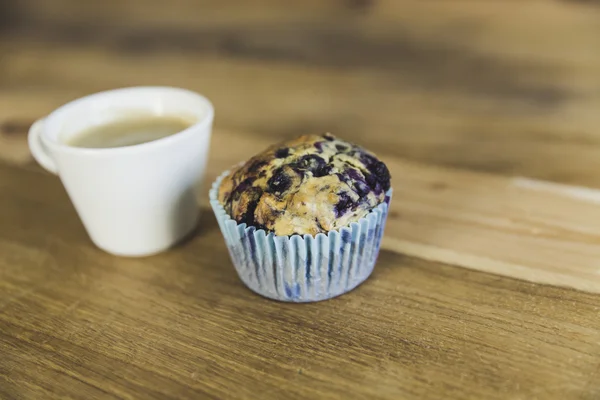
x=511, y=87
x=460, y=98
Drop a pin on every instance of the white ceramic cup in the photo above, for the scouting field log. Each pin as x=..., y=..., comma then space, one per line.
x=135, y=200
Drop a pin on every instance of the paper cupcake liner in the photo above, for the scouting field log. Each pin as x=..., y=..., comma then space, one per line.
x=302, y=268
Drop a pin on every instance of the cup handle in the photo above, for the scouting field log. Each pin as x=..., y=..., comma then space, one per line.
x=38, y=150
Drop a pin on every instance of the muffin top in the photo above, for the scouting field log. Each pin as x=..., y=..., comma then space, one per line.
x=309, y=185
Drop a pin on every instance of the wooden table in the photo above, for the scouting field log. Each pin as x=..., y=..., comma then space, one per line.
x=487, y=287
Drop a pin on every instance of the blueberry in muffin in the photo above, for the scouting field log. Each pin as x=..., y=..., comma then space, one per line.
x=309, y=185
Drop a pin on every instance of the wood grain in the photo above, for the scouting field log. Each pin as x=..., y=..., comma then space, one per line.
x=487, y=115
x=517, y=227
x=470, y=85
x=83, y=324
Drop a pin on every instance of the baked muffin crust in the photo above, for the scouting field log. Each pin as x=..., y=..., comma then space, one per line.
x=309, y=185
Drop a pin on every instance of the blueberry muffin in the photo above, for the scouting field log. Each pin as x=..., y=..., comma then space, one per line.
x=309, y=185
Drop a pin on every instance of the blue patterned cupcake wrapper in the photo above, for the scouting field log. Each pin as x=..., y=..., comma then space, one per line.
x=302, y=268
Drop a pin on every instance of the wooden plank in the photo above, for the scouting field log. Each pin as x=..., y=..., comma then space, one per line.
x=516, y=227
x=502, y=103
x=510, y=88
x=76, y=323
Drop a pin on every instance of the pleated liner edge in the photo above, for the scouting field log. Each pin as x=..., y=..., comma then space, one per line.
x=302, y=268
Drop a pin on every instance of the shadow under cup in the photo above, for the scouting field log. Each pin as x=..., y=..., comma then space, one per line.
x=134, y=200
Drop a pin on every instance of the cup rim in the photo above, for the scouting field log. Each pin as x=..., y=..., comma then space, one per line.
x=55, y=144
